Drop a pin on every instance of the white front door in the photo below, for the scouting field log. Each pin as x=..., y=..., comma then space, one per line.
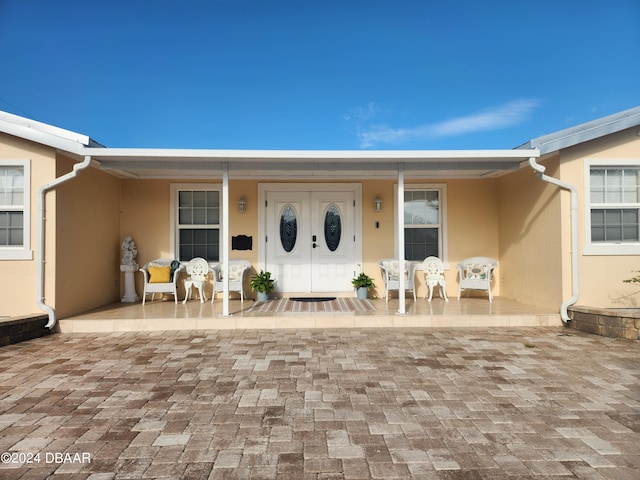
x=311, y=239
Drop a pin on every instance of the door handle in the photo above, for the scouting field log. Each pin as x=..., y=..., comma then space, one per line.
x=314, y=245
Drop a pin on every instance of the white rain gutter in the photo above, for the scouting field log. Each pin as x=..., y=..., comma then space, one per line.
x=40, y=257
x=575, y=291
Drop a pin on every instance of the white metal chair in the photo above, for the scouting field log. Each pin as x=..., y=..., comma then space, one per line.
x=160, y=276
x=237, y=271
x=476, y=274
x=391, y=275
x=434, y=277
x=198, y=271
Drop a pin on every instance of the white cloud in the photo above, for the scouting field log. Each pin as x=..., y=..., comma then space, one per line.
x=503, y=116
x=362, y=114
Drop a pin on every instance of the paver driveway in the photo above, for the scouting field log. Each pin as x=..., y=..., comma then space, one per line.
x=332, y=404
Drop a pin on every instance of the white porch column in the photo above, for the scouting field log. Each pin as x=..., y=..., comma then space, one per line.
x=400, y=199
x=224, y=240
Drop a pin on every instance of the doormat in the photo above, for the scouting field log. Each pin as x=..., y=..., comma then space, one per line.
x=312, y=299
x=288, y=305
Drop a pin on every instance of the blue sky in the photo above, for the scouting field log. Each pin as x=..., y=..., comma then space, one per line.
x=318, y=74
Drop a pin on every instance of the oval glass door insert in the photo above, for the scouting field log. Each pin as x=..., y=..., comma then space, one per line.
x=288, y=228
x=332, y=228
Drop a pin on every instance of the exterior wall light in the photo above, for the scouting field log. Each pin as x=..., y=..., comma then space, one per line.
x=242, y=204
x=377, y=203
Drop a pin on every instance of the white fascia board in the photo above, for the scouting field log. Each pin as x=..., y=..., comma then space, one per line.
x=585, y=132
x=68, y=145
x=148, y=163
x=320, y=156
x=43, y=128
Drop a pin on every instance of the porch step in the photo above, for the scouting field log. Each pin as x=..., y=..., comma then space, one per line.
x=306, y=321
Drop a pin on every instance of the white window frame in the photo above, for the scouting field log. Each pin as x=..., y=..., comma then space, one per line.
x=173, y=222
x=597, y=248
x=23, y=252
x=443, y=234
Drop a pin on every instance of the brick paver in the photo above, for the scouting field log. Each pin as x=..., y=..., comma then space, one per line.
x=321, y=404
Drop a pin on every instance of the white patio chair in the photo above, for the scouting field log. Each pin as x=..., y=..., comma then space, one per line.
x=198, y=271
x=237, y=271
x=434, y=277
x=160, y=276
x=476, y=273
x=391, y=275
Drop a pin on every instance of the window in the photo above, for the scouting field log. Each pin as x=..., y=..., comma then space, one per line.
x=613, y=206
x=15, y=210
x=288, y=228
x=424, y=224
x=196, y=222
x=332, y=227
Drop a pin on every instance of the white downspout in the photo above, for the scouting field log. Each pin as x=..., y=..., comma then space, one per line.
x=40, y=256
x=575, y=290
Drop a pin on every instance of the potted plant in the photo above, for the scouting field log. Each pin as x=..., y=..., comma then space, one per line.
x=362, y=283
x=262, y=283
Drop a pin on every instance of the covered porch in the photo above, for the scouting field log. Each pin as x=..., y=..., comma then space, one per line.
x=166, y=315
x=477, y=211
x=261, y=179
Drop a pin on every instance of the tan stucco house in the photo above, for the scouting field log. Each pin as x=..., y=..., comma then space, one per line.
x=560, y=214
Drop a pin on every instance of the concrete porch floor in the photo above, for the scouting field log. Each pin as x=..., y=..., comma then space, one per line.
x=167, y=315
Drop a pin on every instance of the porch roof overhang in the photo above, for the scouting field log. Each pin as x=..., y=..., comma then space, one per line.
x=292, y=164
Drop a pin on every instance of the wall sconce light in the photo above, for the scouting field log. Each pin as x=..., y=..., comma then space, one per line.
x=377, y=203
x=242, y=204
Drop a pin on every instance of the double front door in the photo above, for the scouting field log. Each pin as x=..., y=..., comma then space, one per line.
x=311, y=238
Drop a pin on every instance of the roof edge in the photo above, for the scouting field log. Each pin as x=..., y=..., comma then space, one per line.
x=585, y=132
x=44, y=133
